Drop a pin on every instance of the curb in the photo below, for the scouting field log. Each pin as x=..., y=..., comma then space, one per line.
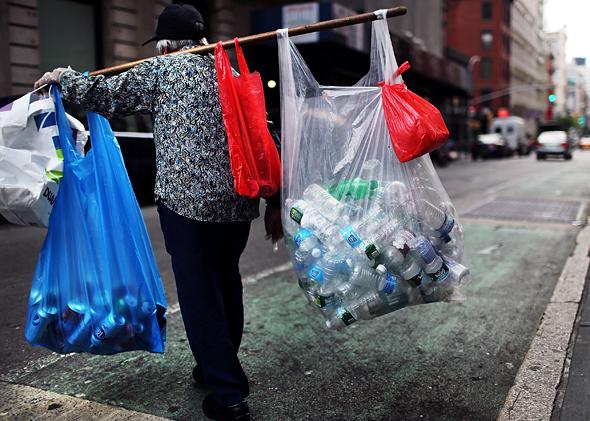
x=535, y=387
x=20, y=402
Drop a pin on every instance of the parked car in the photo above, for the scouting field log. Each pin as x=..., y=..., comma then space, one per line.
x=491, y=145
x=554, y=143
x=584, y=143
x=513, y=129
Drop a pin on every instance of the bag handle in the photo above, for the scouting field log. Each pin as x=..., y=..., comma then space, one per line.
x=68, y=146
x=382, y=53
x=242, y=65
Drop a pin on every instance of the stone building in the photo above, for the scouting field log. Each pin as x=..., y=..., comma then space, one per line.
x=528, y=77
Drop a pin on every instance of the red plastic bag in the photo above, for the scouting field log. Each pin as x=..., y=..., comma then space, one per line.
x=255, y=162
x=415, y=125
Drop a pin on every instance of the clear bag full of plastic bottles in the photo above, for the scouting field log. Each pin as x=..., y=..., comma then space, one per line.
x=368, y=235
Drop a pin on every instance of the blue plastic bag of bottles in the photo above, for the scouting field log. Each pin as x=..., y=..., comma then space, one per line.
x=368, y=235
x=96, y=288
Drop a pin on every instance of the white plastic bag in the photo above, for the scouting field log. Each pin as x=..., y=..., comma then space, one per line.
x=31, y=160
x=368, y=235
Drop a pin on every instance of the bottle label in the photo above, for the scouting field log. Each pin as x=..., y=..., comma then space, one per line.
x=441, y=274
x=346, y=316
x=390, y=284
x=447, y=226
x=301, y=235
x=323, y=301
x=350, y=236
x=317, y=274
x=296, y=215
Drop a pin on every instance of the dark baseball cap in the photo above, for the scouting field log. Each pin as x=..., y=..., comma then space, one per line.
x=179, y=21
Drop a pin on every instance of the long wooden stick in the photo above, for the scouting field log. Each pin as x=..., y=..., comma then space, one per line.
x=265, y=36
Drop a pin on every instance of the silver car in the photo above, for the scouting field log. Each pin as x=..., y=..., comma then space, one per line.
x=555, y=143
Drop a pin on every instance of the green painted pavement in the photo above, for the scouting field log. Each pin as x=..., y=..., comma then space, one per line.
x=431, y=362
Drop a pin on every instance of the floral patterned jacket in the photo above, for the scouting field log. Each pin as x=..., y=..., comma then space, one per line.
x=194, y=177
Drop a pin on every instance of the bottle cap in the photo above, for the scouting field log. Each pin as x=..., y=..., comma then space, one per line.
x=316, y=253
x=381, y=269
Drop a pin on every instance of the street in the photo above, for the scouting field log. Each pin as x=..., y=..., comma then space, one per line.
x=430, y=362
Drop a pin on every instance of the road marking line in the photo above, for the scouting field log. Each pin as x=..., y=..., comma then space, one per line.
x=535, y=387
x=250, y=280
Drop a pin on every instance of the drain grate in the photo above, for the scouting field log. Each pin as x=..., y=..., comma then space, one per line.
x=530, y=210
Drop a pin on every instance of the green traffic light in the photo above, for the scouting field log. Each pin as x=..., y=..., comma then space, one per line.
x=552, y=98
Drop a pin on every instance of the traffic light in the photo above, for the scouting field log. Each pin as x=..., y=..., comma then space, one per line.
x=582, y=121
x=552, y=98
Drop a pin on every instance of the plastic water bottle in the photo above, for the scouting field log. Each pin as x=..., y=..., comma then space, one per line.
x=355, y=189
x=371, y=278
x=306, y=241
x=366, y=307
x=457, y=272
x=329, y=271
x=330, y=207
x=340, y=318
x=457, y=275
x=372, y=234
x=397, y=262
x=309, y=218
x=433, y=264
x=307, y=249
x=439, y=221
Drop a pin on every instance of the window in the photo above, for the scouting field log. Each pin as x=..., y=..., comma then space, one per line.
x=60, y=22
x=486, y=68
x=487, y=39
x=486, y=10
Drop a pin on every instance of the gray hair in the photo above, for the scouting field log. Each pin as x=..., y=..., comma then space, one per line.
x=171, y=45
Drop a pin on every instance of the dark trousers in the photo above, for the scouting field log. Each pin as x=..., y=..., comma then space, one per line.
x=205, y=257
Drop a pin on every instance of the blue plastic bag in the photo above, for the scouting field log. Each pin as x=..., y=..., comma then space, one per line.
x=96, y=288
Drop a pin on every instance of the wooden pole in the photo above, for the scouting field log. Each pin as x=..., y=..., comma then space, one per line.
x=251, y=39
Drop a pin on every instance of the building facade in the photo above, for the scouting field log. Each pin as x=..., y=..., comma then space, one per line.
x=555, y=44
x=528, y=76
x=576, y=88
x=39, y=35
x=480, y=30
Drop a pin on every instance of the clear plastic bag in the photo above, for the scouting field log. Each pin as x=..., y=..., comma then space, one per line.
x=367, y=234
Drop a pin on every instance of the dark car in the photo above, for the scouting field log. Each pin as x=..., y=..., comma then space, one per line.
x=492, y=145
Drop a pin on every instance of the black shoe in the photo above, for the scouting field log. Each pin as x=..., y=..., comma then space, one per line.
x=198, y=376
x=215, y=411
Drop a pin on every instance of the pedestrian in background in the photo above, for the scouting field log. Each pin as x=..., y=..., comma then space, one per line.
x=205, y=223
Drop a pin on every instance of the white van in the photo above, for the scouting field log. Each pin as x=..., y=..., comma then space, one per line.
x=514, y=131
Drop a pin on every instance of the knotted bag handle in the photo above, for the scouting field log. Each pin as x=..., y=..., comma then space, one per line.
x=400, y=70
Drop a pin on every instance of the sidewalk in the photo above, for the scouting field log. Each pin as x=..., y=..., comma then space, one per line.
x=544, y=376
x=575, y=384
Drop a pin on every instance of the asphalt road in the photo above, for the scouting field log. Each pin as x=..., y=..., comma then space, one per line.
x=433, y=362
